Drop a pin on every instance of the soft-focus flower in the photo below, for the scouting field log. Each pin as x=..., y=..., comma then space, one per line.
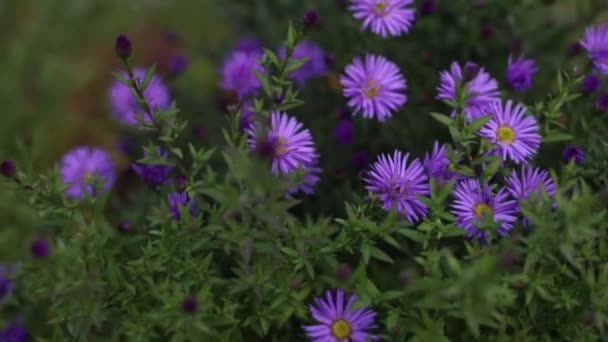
x=374, y=86
x=397, y=185
x=8, y=168
x=514, y=134
x=176, y=200
x=601, y=103
x=124, y=104
x=344, y=132
x=40, y=248
x=519, y=73
x=287, y=143
x=13, y=332
x=237, y=73
x=248, y=44
x=384, y=17
x=82, y=166
x=481, y=88
x=573, y=153
x=311, y=177
x=337, y=321
x=591, y=83
x=153, y=175
x=178, y=64
x=436, y=164
x=6, y=283
x=311, y=18
x=473, y=203
x=595, y=41
x=314, y=67
x=529, y=182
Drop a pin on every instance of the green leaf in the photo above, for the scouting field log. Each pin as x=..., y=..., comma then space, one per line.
x=444, y=119
x=478, y=123
x=557, y=137
x=412, y=234
x=272, y=56
x=294, y=65
x=148, y=78
x=381, y=255
x=264, y=82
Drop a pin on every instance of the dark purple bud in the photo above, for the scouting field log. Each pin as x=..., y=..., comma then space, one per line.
x=601, y=103
x=344, y=132
x=343, y=272
x=40, y=248
x=14, y=332
x=198, y=132
x=575, y=49
x=190, y=305
x=330, y=60
x=515, y=46
x=590, y=84
x=343, y=113
x=178, y=64
x=471, y=70
x=8, y=168
x=509, y=261
x=427, y=7
x=407, y=277
x=278, y=99
x=124, y=227
x=123, y=47
x=6, y=284
x=573, y=153
x=360, y=160
x=181, y=183
x=311, y=18
x=428, y=58
x=487, y=32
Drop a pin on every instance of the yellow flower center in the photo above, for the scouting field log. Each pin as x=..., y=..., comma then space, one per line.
x=281, y=146
x=88, y=175
x=372, y=89
x=340, y=329
x=380, y=6
x=482, y=210
x=505, y=134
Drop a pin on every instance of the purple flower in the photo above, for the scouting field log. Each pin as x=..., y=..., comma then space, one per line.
x=176, y=200
x=124, y=104
x=481, y=89
x=514, y=134
x=287, y=143
x=519, y=73
x=573, y=153
x=311, y=177
x=397, y=185
x=178, y=64
x=248, y=44
x=83, y=166
x=473, y=203
x=436, y=164
x=374, y=86
x=591, y=83
x=601, y=103
x=151, y=174
x=344, y=132
x=315, y=66
x=384, y=17
x=14, y=332
x=529, y=182
x=6, y=283
x=337, y=321
x=237, y=73
x=595, y=41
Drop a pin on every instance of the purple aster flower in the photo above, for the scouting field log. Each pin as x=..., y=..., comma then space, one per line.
x=595, y=41
x=287, y=143
x=124, y=104
x=83, y=166
x=237, y=73
x=601, y=103
x=337, y=321
x=311, y=177
x=14, y=332
x=590, y=84
x=481, y=89
x=360, y=160
x=519, y=73
x=514, y=134
x=248, y=44
x=176, y=200
x=384, y=17
x=374, y=86
x=436, y=164
x=344, y=132
x=6, y=283
x=529, y=182
x=315, y=66
x=573, y=153
x=473, y=203
x=151, y=174
x=397, y=185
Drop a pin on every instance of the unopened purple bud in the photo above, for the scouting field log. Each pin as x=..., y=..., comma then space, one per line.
x=8, y=168
x=123, y=46
x=181, y=183
x=311, y=18
x=190, y=305
x=124, y=227
x=487, y=31
x=573, y=153
x=343, y=272
x=427, y=7
x=40, y=248
x=178, y=64
x=590, y=84
x=601, y=103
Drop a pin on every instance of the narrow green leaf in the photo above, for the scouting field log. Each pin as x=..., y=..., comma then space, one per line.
x=444, y=119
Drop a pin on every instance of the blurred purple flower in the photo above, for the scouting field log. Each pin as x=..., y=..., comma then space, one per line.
x=153, y=175
x=601, y=103
x=595, y=41
x=519, y=73
x=178, y=64
x=591, y=83
x=573, y=153
x=237, y=73
x=176, y=200
x=314, y=67
x=80, y=166
x=344, y=132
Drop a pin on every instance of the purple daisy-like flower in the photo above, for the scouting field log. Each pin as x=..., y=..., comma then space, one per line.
x=374, y=86
x=529, y=182
x=315, y=66
x=473, y=203
x=481, y=88
x=13, y=332
x=81, y=166
x=384, y=17
x=287, y=143
x=595, y=41
x=519, y=73
x=237, y=73
x=124, y=104
x=153, y=175
x=514, y=134
x=311, y=177
x=344, y=132
x=176, y=200
x=337, y=321
x=6, y=283
x=398, y=185
x=436, y=164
